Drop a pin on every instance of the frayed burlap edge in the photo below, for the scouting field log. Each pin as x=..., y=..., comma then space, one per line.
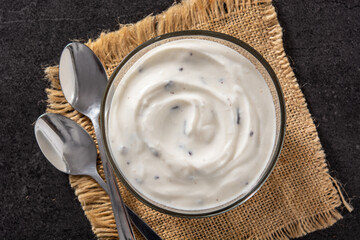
x=187, y=15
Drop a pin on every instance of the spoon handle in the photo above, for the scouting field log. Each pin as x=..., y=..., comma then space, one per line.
x=120, y=213
x=147, y=232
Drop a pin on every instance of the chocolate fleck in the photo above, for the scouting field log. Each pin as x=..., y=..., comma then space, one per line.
x=191, y=54
x=169, y=85
x=251, y=133
x=238, y=116
x=190, y=153
x=128, y=162
x=156, y=177
x=180, y=69
x=246, y=183
x=154, y=152
x=139, y=180
x=175, y=107
x=124, y=150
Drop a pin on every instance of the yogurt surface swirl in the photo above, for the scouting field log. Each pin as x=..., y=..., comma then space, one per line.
x=192, y=124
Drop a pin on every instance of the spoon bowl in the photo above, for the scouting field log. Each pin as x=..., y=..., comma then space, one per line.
x=67, y=146
x=83, y=78
x=70, y=149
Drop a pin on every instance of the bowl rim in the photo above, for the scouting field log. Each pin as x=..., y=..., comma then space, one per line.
x=279, y=143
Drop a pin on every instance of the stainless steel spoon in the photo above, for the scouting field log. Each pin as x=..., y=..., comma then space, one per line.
x=70, y=149
x=83, y=81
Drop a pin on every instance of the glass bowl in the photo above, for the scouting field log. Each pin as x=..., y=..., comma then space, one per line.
x=244, y=49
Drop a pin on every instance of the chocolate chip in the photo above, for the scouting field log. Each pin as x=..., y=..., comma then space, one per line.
x=139, y=180
x=124, y=150
x=169, y=85
x=155, y=152
x=238, y=116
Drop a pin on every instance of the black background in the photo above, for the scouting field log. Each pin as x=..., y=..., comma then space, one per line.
x=321, y=38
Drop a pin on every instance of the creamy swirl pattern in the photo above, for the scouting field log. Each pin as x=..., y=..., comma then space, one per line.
x=192, y=124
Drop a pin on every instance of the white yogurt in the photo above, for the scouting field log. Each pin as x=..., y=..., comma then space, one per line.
x=192, y=124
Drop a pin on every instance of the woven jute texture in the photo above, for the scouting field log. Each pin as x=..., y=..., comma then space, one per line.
x=299, y=197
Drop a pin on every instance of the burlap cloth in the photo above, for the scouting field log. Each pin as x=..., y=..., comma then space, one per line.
x=299, y=197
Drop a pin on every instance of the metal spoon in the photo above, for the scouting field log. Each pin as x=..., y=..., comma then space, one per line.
x=70, y=149
x=83, y=81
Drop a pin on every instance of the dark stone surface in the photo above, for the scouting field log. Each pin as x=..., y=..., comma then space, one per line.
x=321, y=38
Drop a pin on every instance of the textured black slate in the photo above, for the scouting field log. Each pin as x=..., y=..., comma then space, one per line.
x=321, y=38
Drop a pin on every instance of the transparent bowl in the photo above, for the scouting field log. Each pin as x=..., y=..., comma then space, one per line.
x=253, y=56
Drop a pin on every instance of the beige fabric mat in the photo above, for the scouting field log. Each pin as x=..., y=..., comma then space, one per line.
x=299, y=197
